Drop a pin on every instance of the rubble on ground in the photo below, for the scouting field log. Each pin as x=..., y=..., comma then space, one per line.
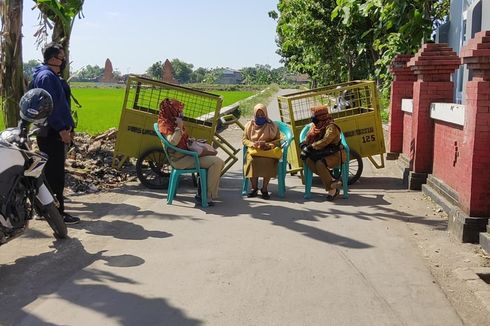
x=89, y=164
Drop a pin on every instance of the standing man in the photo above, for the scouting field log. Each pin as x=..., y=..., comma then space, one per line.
x=60, y=123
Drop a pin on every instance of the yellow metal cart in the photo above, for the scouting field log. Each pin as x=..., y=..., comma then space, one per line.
x=355, y=108
x=136, y=138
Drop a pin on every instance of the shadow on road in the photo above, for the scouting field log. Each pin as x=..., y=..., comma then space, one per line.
x=120, y=230
x=62, y=273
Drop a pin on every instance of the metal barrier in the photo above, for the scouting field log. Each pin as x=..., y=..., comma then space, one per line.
x=355, y=108
x=137, y=139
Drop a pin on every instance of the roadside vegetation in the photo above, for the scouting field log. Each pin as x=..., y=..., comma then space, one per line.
x=102, y=106
x=326, y=42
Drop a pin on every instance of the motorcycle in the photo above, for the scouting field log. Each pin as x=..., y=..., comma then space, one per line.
x=23, y=187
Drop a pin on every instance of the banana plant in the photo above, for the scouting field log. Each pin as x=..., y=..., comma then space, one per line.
x=58, y=15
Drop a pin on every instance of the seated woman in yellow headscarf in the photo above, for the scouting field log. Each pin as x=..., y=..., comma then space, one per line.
x=324, y=133
x=261, y=133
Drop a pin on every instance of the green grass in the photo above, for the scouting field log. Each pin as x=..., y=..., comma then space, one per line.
x=101, y=107
x=230, y=97
x=384, y=106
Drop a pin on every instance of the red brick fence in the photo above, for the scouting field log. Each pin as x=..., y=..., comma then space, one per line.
x=444, y=148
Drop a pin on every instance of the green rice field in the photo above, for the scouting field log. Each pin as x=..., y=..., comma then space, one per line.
x=101, y=107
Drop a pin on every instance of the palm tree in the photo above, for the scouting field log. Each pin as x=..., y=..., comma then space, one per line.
x=11, y=72
x=63, y=14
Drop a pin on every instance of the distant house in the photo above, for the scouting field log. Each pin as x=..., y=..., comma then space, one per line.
x=466, y=18
x=299, y=79
x=230, y=77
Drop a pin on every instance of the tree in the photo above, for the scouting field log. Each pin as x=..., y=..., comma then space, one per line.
x=311, y=42
x=90, y=73
x=12, y=83
x=29, y=67
x=63, y=14
x=339, y=40
x=182, y=71
x=198, y=75
x=393, y=26
x=155, y=70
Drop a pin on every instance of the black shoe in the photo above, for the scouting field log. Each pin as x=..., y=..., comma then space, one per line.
x=253, y=193
x=265, y=194
x=70, y=219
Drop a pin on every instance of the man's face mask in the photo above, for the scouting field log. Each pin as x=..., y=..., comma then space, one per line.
x=260, y=121
x=62, y=65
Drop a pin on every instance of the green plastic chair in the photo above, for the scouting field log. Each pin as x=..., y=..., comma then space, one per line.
x=283, y=161
x=342, y=171
x=175, y=174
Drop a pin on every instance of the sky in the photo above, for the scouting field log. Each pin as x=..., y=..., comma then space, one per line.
x=136, y=34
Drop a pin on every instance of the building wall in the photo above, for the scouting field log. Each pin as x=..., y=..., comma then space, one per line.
x=407, y=135
x=452, y=157
x=465, y=15
x=485, y=16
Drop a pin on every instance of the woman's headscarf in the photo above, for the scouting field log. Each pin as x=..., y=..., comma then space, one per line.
x=317, y=131
x=169, y=111
x=266, y=132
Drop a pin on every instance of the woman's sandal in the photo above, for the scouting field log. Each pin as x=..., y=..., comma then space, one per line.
x=198, y=199
x=265, y=194
x=332, y=197
x=253, y=193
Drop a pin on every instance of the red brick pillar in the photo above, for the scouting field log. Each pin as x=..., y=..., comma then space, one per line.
x=475, y=200
x=401, y=87
x=433, y=65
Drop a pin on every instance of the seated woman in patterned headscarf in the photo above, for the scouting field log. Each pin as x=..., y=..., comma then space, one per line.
x=323, y=133
x=261, y=133
x=171, y=125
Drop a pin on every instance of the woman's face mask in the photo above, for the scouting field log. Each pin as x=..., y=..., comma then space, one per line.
x=315, y=120
x=260, y=121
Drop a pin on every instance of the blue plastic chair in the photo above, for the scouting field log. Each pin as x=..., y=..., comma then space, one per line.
x=343, y=170
x=175, y=174
x=283, y=161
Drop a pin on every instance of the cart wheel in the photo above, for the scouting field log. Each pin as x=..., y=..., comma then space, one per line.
x=152, y=169
x=355, y=167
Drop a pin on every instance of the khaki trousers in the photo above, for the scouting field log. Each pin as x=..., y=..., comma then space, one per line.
x=213, y=164
x=320, y=168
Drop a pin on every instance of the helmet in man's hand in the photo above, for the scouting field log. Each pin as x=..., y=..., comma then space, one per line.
x=35, y=106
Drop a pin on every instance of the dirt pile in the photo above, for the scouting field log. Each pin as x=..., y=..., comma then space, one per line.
x=89, y=164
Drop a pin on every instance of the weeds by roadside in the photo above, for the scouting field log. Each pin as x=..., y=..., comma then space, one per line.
x=246, y=105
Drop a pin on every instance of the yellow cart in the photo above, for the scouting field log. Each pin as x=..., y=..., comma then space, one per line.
x=355, y=108
x=136, y=138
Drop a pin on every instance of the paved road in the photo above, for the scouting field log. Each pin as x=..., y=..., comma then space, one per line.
x=136, y=261
x=272, y=106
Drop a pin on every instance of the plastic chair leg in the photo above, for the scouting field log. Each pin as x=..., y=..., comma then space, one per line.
x=172, y=186
x=244, y=185
x=345, y=180
x=204, y=187
x=308, y=175
x=281, y=179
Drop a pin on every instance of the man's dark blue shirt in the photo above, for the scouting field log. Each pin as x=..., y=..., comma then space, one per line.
x=59, y=90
